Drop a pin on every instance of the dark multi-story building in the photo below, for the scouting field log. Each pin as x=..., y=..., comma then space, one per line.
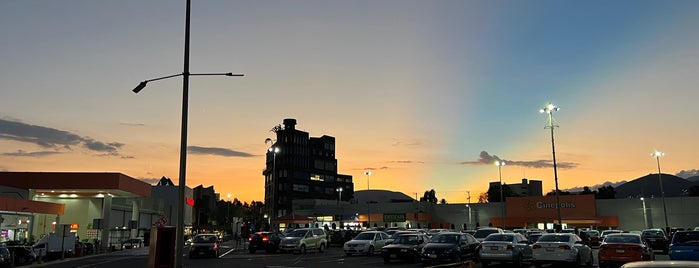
x=526, y=188
x=204, y=205
x=299, y=167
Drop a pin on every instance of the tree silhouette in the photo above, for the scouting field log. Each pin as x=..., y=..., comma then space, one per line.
x=605, y=192
x=429, y=196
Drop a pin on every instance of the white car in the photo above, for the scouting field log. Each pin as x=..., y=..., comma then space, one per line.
x=365, y=243
x=561, y=248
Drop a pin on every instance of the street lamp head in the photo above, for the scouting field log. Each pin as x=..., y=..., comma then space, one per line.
x=229, y=196
x=657, y=154
x=642, y=199
x=499, y=162
x=549, y=108
x=368, y=173
x=274, y=149
x=339, y=189
x=140, y=87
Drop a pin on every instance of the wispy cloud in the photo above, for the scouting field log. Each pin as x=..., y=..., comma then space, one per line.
x=486, y=159
x=47, y=137
x=217, y=151
x=397, y=143
x=21, y=153
x=406, y=162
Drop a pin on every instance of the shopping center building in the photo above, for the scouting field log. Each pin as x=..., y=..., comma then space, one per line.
x=107, y=207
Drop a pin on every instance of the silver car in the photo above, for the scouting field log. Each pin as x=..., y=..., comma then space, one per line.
x=365, y=243
x=505, y=248
x=301, y=240
x=561, y=248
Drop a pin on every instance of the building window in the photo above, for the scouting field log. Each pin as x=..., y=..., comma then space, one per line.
x=316, y=177
x=301, y=188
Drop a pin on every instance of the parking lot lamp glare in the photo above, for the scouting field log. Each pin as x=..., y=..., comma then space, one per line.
x=549, y=109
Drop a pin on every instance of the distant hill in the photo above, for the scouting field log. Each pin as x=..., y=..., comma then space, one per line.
x=649, y=185
x=693, y=179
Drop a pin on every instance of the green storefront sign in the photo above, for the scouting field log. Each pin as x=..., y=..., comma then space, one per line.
x=394, y=217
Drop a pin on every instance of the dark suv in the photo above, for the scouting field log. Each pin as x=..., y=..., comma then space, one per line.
x=656, y=239
x=268, y=241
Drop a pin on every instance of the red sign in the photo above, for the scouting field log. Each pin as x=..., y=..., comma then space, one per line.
x=189, y=201
x=74, y=226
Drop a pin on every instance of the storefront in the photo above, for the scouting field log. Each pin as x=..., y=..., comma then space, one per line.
x=542, y=212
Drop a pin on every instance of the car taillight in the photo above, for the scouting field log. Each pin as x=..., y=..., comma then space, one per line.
x=510, y=247
x=250, y=239
x=564, y=247
x=536, y=246
x=264, y=238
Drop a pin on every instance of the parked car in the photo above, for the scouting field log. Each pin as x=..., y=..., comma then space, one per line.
x=617, y=249
x=606, y=232
x=561, y=248
x=482, y=233
x=685, y=246
x=365, y=243
x=267, y=241
x=656, y=239
x=534, y=237
x=132, y=243
x=396, y=234
x=4, y=256
x=661, y=264
x=405, y=247
x=303, y=239
x=505, y=248
x=593, y=238
x=204, y=245
x=450, y=247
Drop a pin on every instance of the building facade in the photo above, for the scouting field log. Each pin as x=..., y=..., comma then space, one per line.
x=301, y=167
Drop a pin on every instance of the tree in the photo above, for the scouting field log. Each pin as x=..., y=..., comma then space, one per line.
x=553, y=193
x=443, y=201
x=586, y=190
x=606, y=192
x=483, y=198
x=429, y=196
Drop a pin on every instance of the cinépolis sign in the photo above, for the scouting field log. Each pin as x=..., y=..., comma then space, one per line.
x=393, y=217
x=576, y=206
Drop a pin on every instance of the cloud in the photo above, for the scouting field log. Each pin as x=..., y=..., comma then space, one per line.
x=21, y=153
x=406, y=162
x=52, y=138
x=397, y=143
x=688, y=173
x=486, y=159
x=217, y=151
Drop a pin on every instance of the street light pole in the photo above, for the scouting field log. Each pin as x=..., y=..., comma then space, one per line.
x=645, y=217
x=339, y=193
x=368, y=210
x=179, y=231
x=272, y=213
x=657, y=156
x=549, y=109
x=501, y=163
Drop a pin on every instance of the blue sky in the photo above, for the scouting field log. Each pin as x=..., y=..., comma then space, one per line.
x=413, y=90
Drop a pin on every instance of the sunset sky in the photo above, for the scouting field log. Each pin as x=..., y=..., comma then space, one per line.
x=425, y=94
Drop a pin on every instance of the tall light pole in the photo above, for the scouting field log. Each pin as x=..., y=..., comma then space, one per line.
x=468, y=194
x=228, y=208
x=657, y=156
x=549, y=109
x=368, y=210
x=645, y=217
x=367, y=173
x=272, y=213
x=179, y=231
x=501, y=163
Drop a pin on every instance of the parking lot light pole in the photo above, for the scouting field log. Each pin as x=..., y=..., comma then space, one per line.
x=179, y=231
x=657, y=156
x=549, y=109
x=501, y=163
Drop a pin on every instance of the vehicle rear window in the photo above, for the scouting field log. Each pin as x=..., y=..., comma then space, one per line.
x=554, y=238
x=623, y=239
x=499, y=237
x=482, y=233
x=446, y=238
x=653, y=233
x=686, y=238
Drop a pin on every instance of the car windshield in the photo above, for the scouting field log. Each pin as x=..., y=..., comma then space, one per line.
x=499, y=237
x=686, y=238
x=364, y=236
x=593, y=233
x=407, y=239
x=554, y=238
x=482, y=233
x=204, y=239
x=604, y=233
x=445, y=238
x=297, y=233
x=623, y=239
